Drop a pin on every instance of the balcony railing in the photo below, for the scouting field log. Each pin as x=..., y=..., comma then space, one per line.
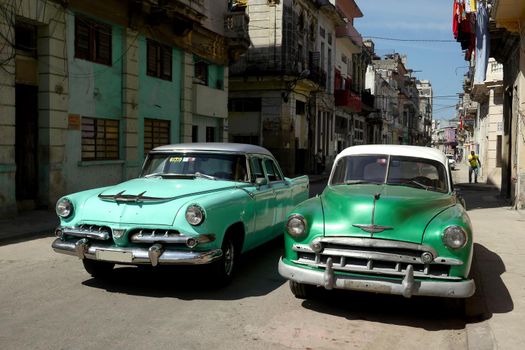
x=348, y=100
x=236, y=30
x=350, y=32
x=318, y=76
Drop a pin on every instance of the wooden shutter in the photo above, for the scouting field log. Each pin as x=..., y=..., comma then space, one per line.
x=103, y=44
x=151, y=64
x=166, y=63
x=82, y=42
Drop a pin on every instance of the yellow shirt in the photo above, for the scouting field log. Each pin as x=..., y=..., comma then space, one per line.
x=473, y=160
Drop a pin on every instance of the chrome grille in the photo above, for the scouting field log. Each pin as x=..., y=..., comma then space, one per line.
x=88, y=231
x=148, y=235
x=375, y=257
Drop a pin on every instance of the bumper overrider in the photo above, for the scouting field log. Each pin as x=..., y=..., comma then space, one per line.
x=407, y=287
x=90, y=246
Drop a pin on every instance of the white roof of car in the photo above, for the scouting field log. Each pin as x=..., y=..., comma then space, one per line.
x=396, y=150
x=213, y=147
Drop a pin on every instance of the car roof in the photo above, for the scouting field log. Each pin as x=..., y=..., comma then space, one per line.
x=396, y=150
x=213, y=147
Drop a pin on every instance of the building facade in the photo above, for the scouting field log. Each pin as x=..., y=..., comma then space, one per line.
x=89, y=88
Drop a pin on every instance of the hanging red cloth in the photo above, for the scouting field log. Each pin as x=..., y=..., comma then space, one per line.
x=455, y=19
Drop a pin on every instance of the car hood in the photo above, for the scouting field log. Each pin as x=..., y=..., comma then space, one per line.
x=400, y=212
x=147, y=201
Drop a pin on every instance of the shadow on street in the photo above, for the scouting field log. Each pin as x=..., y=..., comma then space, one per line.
x=481, y=196
x=257, y=275
x=492, y=296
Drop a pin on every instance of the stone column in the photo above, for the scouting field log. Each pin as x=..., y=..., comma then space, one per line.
x=7, y=119
x=186, y=117
x=52, y=103
x=130, y=107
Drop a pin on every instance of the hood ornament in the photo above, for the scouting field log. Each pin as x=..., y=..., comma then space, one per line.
x=373, y=228
x=131, y=198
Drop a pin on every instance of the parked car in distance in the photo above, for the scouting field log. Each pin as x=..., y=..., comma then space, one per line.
x=389, y=221
x=451, y=161
x=198, y=203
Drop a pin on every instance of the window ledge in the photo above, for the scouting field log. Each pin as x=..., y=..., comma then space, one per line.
x=85, y=163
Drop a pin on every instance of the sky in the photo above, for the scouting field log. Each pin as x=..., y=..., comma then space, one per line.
x=442, y=63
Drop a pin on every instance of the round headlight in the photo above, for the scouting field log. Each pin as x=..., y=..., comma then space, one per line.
x=454, y=237
x=194, y=215
x=296, y=225
x=64, y=208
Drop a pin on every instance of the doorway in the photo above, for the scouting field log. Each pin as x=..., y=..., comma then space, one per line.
x=26, y=146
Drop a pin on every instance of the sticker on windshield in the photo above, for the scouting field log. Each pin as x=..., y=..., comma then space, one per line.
x=176, y=159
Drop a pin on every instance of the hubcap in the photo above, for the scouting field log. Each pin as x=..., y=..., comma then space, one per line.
x=228, y=258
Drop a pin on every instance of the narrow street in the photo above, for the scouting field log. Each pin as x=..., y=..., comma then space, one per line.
x=48, y=301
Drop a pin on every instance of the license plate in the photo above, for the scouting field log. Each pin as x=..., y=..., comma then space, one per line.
x=110, y=255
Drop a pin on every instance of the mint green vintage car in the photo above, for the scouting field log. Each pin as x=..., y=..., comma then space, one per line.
x=389, y=221
x=199, y=203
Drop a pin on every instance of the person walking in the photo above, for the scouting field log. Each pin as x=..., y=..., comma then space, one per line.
x=474, y=165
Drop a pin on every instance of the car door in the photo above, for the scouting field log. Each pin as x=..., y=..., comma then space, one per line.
x=282, y=194
x=264, y=201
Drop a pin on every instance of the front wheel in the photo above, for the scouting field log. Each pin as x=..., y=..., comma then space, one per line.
x=301, y=290
x=98, y=269
x=224, y=268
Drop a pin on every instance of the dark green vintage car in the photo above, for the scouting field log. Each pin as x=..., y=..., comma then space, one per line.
x=389, y=221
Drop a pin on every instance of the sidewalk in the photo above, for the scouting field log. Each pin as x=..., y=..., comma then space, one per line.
x=28, y=224
x=498, y=267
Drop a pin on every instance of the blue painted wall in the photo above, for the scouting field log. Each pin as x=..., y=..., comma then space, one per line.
x=158, y=98
x=95, y=90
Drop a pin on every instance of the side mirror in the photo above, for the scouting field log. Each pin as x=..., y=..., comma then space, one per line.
x=261, y=181
x=460, y=198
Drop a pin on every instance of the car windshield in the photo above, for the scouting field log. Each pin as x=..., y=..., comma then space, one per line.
x=415, y=172
x=206, y=165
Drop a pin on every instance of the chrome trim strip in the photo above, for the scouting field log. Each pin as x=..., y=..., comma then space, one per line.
x=371, y=270
x=407, y=287
x=352, y=253
x=173, y=238
x=379, y=243
x=139, y=255
x=78, y=232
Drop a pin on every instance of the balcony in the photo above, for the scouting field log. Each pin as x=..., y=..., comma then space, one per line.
x=352, y=34
x=236, y=30
x=210, y=102
x=348, y=100
x=318, y=76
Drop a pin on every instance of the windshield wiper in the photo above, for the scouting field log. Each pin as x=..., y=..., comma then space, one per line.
x=206, y=176
x=360, y=182
x=160, y=174
x=410, y=183
x=153, y=175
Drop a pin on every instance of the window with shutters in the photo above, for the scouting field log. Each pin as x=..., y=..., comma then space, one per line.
x=158, y=60
x=92, y=40
x=201, y=72
x=156, y=133
x=100, y=139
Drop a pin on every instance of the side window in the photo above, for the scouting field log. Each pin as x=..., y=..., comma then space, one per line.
x=257, y=170
x=272, y=171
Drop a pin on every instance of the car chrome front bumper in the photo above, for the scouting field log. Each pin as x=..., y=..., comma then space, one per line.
x=156, y=254
x=407, y=287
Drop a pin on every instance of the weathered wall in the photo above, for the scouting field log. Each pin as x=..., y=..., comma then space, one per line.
x=52, y=101
x=160, y=99
x=96, y=92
